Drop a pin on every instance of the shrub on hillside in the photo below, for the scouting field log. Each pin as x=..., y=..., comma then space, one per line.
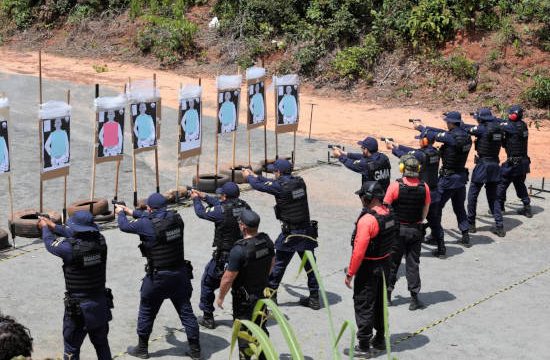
x=20, y=11
x=458, y=65
x=539, y=93
x=357, y=61
x=430, y=23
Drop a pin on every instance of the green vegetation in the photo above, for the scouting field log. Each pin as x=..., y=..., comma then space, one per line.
x=357, y=61
x=458, y=65
x=539, y=93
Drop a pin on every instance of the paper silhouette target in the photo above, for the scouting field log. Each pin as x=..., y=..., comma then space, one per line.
x=4, y=146
x=110, y=133
x=190, y=125
x=228, y=110
x=287, y=104
x=56, y=152
x=256, y=104
x=144, y=124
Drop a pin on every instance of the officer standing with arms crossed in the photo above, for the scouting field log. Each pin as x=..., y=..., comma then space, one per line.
x=375, y=232
x=88, y=302
x=516, y=167
x=487, y=168
x=247, y=273
x=223, y=212
x=168, y=275
x=410, y=199
x=428, y=156
x=453, y=175
x=292, y=209
x=373, y=165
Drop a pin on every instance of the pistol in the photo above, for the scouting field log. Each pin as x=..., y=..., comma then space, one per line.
x=332, y=146
x=190, y=189
x=415, y=120
x=44, y=215
x=116, y=202
x=386, y=139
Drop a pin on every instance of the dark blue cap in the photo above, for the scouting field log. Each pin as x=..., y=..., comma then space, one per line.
x=430, y=135
x=82, y=221
x=452, y=117
x=249, y=218
x=156, y=201
x=282, y=165
x=484, y=114
x=369, y=143
x=230, y=189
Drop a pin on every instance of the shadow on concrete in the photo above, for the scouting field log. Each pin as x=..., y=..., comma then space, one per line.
x=210, y=344
x=428, y=298
x=475, y=239
x=289, y=357
x=451, y=250
x=413, y=343
x=509, y=224
x=333, y=298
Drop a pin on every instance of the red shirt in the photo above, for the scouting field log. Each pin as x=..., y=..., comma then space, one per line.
x=367, y=228
x=393, y=190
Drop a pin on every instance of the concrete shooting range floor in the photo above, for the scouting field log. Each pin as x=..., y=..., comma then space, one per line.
x=492, y=297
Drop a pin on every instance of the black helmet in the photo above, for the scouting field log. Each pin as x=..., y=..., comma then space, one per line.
x=370, y=190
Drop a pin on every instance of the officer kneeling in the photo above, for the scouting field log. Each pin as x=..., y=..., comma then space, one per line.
x=247, y=273
x=168, y=275
x=375, y=233
x=88, y=303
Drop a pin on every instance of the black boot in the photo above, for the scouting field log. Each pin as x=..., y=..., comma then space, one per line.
x=360, y=350
x=498, y=231
x=312, y=301
x=207, y=321
x=430, y=240
x=526, y=211
x=379, y=341
x=388, y=296
x=141, y=349
x=441, y=250
x=465, y=241
x=194, y=350
x=472, y=228
x=415, y=303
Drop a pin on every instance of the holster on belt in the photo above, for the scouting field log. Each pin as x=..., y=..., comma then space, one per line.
x=72, y=308
x=109, y=296
x=189, y=268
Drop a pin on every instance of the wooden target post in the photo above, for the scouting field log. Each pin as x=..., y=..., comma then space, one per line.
x=287, y=92
x=6, y=169
x=137, y=147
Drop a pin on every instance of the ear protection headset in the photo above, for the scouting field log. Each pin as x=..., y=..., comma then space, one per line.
x=513, y=116
x=402, y=163
x=424, y=142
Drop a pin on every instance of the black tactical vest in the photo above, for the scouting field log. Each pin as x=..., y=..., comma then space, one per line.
x=429, y=171
x=167, y=250
x=488, y=145
x=382, y=243
x=254, y=275
x=379, y=170
x=410, y=202
x=454, y=157
x=86, y=272
x=516, y=144
x=292, y=207
x=227, y=232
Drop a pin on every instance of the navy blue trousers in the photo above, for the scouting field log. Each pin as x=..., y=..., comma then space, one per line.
x=162, y=285
x=74, y=333
x=457, y=197
x=210, y=281
x=519, y=185
x=492, y=200
x=282, y=259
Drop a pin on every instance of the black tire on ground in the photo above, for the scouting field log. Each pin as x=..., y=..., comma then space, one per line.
x=271, y=161
x=99, y=206
x=25, y=222
x=207, y=182
x=109, y=215
x=226, y=170
x=4, y=240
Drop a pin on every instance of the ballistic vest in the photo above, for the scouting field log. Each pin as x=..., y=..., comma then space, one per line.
x=454, y=157
x=292, y=207
x=488, y=145
x=382, y=243
x=410, y=202
x=379, y=170
x=430, y=167
x=167, y=249
x=516, y=144
x=254, y=274
x=227, y=232
x=86, y=272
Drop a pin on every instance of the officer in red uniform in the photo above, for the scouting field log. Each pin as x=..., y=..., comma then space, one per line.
x=410, y=199
x=375, y=232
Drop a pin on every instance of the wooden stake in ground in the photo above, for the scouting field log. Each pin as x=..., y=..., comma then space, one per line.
x=94, y=151
x=41, y=208
x=4, y=135
x=66, y=173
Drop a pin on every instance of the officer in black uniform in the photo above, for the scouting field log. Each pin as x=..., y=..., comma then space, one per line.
x=88, y=302
x=516, y=167
x=373, y=165
x=292, y=210
x=487, y=168
x=247, y=273
x=168, y=275
x=223, y=212
x=453, y=175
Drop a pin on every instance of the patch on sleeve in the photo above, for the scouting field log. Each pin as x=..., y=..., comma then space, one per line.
x=209, y=209
x=57, y=242
x=356, y=162
x=441, y=135
x=268, y=183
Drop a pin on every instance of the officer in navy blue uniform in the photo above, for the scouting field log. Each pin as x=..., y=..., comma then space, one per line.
x=168, y=275
x=453, y=175
x=292, y=210
x=223, y=212
x=247, y=273
x=88, y=302
x=516, y=167
x=428, y=156
x=487, y=168
x=373, y=165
